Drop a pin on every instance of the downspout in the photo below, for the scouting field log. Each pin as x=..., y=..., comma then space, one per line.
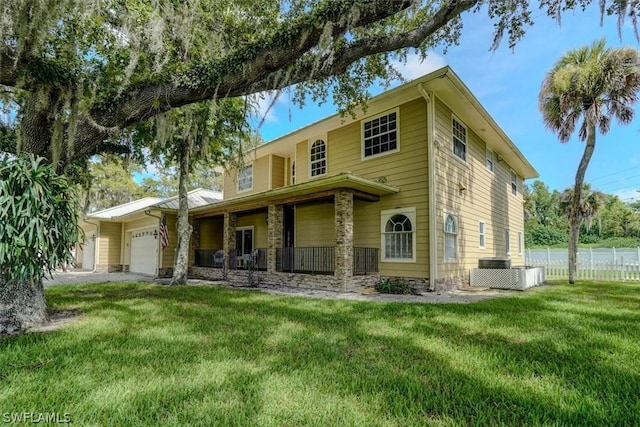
x=431, y=138
x=159, y=259
x=95, y=246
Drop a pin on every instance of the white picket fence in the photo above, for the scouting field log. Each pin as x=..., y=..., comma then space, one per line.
x=615, y=264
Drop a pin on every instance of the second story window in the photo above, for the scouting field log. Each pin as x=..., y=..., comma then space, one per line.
x=380, y=134
x=245, y=178
x=489, y=157
x=293, y=172
x=514, y=183
x=318, y=158
x=459, y=139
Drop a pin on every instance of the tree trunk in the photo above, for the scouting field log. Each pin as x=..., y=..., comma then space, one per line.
x=181, y=267
x=574, y=214
x=21, y=306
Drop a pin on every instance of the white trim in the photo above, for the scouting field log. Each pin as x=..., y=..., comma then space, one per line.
x=507, y=241
x=310, y=144
x=385, y=216
x=253, y=236
x=488, y=150
x=456, y=218
x=371, y=118
x=238, y=179
x=466, y=139
x=520, y=243
x=482, y=245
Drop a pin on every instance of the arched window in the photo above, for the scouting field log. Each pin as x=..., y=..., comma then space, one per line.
x=318, y=158
x=450, y=237
x=398, y=238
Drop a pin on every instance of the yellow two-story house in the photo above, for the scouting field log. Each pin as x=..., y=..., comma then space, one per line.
x=420, y=186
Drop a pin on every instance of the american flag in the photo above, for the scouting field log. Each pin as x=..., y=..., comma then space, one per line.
x=164, y=233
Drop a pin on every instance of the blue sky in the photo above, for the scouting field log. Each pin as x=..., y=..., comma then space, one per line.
x=507, y=84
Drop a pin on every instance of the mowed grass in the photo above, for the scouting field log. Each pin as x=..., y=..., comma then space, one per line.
x=143, y=354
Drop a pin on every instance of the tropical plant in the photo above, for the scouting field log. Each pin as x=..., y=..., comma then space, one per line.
x=39, y=226
x=593, y=84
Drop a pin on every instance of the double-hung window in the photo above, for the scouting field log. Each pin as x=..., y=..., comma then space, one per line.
x=318, y=158
x=489, y=159
x=380, y=134
x=482, y=237
x=459, y=139
x=514, y=183
x=450, y=237
x=245, y=178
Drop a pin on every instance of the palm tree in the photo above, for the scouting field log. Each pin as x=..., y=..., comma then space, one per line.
x=590, y=203
x=591, y=85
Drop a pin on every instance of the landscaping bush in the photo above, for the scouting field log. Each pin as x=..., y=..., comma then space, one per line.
x=393, y=286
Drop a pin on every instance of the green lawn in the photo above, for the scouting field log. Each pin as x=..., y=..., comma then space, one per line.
x=149, y=355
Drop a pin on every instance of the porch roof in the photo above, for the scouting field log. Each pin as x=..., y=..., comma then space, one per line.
x=311, y=190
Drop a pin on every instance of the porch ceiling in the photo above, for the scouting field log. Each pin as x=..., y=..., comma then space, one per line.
x=312, y=190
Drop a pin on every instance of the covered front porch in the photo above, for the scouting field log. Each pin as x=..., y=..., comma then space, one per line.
x=302, y=237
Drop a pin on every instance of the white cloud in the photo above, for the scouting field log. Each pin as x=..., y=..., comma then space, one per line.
x=627, y=195
x=417, y=67
x=267, y=103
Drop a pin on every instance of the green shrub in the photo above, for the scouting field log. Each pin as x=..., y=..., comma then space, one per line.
x=393, y=286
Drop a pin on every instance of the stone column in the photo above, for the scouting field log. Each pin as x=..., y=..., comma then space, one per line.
x=229, y=239
x=275, y=229
x=343, y=206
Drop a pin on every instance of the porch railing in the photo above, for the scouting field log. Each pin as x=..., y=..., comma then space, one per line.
x=365, y=260
x=209, y=258
x=313, y=260
x=257, y=260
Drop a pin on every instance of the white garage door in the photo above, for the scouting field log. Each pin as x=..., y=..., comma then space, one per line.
x=88, y=253
x=144, y=251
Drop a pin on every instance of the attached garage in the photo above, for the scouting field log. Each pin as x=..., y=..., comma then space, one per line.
x=144, y=251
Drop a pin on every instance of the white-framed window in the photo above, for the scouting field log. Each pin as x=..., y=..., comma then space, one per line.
x=318, y=158
x=459, y=139
x=398, y=230
x=244, y=241
x=489, y=159
x=482, y=237
x=507, y=241
x=514, y=183
x=450, y=237
x=519, y=242
x=245, y=178
x=380, y=134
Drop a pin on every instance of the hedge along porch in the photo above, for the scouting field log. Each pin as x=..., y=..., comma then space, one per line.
x=309, y=231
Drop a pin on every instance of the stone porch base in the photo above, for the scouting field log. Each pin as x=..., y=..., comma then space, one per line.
x=294, y=280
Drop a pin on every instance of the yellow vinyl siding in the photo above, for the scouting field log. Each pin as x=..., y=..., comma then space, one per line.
x=167, y=256
x=302, y=162
x=211, y=232
x=472, y=193
x=110, y=243
x=277, y=171
x=145, y=222
x=315, y=225
x=406, y=169
x=257, y=221
x=260, y=175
